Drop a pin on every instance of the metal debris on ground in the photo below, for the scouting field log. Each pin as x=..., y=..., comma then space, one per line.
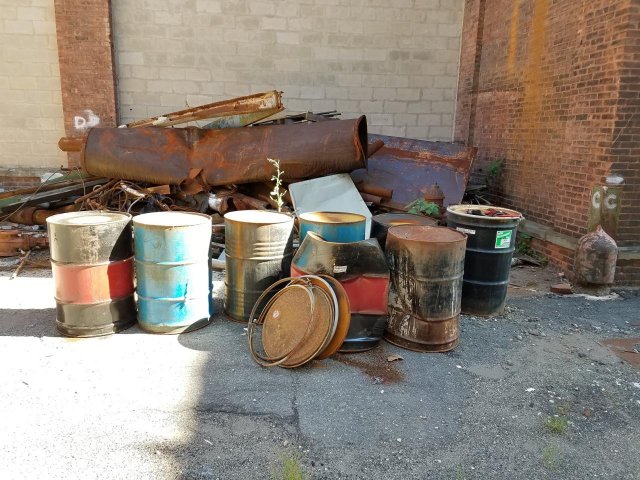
x=13, y=241
x=219, y=165
x=394, y=358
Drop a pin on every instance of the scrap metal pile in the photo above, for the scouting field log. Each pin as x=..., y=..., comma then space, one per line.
x=222, y=164
x=271, y=181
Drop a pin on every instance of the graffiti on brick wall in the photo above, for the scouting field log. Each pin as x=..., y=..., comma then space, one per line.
x=610, y=201
x=87, y=120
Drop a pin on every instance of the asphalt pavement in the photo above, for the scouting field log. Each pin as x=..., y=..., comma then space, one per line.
x=530, y=394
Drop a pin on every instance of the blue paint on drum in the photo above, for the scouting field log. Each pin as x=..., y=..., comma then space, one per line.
x=337, y=227
x=173, y=271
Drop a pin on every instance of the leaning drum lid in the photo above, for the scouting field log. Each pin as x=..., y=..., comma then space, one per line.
x=344, y=318
x=296, y=328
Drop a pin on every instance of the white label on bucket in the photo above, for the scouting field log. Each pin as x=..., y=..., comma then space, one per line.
x=503, y=238
x=339, y=268
x=466, y=230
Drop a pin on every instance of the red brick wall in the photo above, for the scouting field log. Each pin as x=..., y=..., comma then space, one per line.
x=625, y=146
x=85, y=49
x=552, y=87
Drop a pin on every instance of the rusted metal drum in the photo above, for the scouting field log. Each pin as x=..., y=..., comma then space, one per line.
x=333, y=226
x=258, y=251
x=362, y=270
x=380, y=224
x=173, y=270
x=427, y=264
x=491, y=233
x=92, y=264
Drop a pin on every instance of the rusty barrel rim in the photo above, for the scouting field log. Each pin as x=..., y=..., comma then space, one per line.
x=420, y=347
x=333, y=218
x=424, y=234
x=258, y=217
x=344, y=318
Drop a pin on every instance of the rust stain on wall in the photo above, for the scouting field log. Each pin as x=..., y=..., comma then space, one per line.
x=532, y=76
x=513, y=39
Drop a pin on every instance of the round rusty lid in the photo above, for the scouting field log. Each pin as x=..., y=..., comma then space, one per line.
x=319, y=330
x=286, y=321
x=344, y=318
x=425, y=234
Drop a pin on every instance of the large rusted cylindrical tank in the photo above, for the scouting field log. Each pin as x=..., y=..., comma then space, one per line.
x=258, y=251
x=92, y=263
x=427, y=264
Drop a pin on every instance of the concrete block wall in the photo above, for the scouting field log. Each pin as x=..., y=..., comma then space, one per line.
x=396, y=62
x=31, y=121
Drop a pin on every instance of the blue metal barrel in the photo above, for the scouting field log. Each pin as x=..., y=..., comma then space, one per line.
x=338, y=227
x=172, y=267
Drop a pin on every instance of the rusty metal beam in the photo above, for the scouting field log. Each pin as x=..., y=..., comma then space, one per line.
x=241, y=105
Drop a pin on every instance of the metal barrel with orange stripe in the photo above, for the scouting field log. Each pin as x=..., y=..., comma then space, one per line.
x=92, y=264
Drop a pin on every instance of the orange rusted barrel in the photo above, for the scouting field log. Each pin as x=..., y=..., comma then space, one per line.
x=426, y=264
x=92, y=264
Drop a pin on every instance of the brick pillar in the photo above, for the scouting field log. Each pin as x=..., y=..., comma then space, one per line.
x=87, y=74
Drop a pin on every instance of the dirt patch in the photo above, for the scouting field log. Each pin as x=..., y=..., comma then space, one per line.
x=530, y=281
x=374, y=364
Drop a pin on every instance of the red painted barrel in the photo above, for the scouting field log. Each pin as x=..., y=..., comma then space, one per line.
x=92, y=264
x=93, y=283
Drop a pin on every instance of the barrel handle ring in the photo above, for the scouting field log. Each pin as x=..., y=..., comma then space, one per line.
x=265, y=360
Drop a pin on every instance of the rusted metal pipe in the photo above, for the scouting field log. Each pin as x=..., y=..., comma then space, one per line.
x=12, y=241
x=37, y=216
x=229, y=156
